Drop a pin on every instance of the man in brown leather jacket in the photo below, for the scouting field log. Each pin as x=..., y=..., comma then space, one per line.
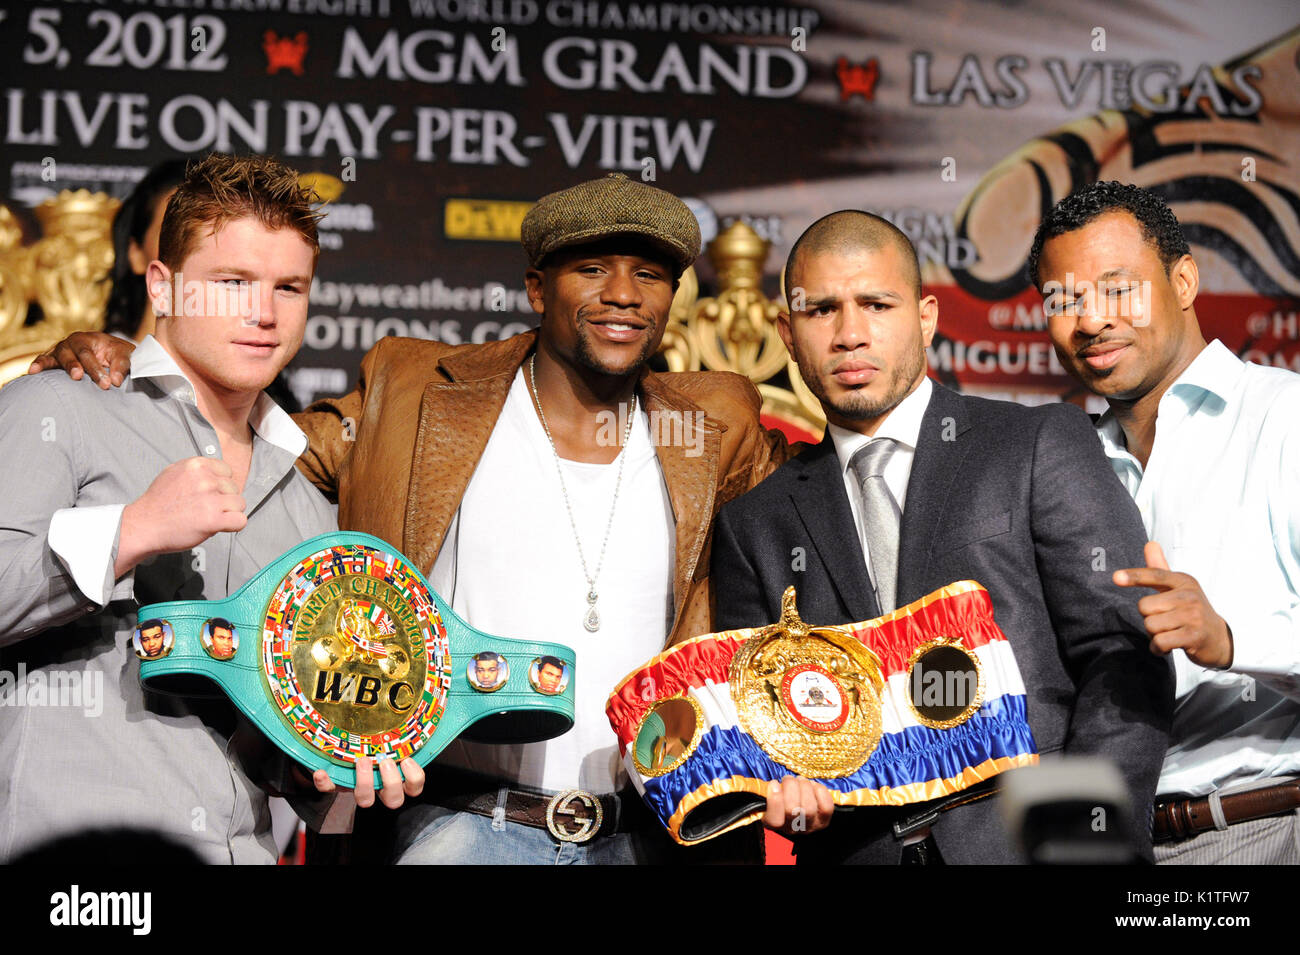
x=606, y=509
x=399, y=451
x=405, y=451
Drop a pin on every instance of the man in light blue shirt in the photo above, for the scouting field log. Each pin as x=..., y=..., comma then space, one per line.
x=1218, y=486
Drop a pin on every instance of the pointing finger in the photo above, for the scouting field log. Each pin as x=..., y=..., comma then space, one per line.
x=1155, y=555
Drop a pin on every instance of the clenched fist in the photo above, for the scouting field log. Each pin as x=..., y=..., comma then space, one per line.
x=185, y=505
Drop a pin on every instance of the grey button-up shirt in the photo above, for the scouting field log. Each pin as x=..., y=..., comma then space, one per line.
x=83, y=745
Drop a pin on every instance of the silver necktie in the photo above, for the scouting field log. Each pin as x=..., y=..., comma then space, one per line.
x=880, y=517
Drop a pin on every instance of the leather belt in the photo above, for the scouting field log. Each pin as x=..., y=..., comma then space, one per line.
x=1183, y=818
x=570, y=816
x=915, y=823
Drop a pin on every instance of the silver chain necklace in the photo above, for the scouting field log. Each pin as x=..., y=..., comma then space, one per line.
x=592, y=620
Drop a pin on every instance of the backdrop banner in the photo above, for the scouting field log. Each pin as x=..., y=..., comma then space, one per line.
x=433, y=124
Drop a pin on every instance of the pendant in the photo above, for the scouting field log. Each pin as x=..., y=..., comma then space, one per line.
x=592, y=620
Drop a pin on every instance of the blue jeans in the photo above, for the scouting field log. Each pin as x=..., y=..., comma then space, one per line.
x=450, y=837
x=434, y=835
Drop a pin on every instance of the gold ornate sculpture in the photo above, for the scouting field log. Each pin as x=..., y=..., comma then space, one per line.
x=678, y=345
x=736, y=330
x=63, y=272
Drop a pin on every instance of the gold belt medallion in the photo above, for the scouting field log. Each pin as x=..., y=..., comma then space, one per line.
x=810, y=696
x=357, y=662
x=355, y=654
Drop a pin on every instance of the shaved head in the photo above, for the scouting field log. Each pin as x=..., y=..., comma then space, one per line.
x=856, y=323
x=846, y=232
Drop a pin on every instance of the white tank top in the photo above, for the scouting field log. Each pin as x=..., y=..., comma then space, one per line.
x=509, y=566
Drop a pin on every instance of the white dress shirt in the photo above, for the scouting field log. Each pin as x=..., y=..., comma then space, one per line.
x=903, y=424
x=1221, y=494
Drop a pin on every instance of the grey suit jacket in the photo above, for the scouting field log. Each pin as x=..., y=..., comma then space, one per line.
x=110, y=754
x=1020, y=499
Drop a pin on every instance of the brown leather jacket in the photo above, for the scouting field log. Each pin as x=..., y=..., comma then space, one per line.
x=398, y=452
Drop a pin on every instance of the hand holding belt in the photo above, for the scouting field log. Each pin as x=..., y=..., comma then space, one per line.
x=338, y=649
x=918, y=704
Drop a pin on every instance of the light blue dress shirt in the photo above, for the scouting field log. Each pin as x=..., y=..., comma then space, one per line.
x=1221, y=494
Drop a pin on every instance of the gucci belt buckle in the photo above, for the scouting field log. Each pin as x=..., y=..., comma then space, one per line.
x=567, y=821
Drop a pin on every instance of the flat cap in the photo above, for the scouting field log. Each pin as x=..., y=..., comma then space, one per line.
x=614, y=205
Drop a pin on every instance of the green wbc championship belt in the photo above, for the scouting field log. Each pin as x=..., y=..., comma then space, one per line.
x=339, y=649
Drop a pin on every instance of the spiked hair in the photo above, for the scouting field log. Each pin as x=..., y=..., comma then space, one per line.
x=220, y=188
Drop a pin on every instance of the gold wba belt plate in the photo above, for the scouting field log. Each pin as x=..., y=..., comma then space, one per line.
x=810, y=696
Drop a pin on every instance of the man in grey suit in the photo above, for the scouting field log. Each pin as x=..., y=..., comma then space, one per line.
x=179, y=485
x=914, y=487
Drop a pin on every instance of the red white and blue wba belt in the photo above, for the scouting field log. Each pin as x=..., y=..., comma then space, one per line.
x=918, y=704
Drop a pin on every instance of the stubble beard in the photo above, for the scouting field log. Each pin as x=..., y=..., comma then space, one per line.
x=859, y=405
x=586, y=356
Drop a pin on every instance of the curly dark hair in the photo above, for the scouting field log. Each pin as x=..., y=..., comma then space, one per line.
x=1159, y=227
